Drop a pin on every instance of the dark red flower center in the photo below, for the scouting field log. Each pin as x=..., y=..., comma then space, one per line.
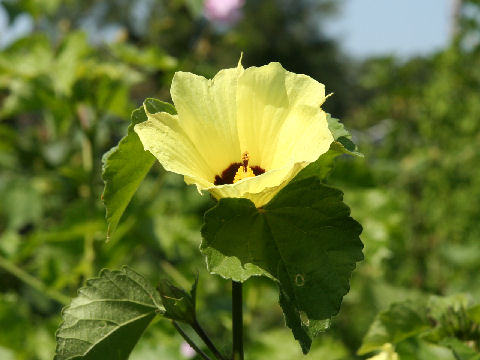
x=228, y=174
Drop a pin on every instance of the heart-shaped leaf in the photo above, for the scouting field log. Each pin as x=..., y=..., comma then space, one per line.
x=108, y=317
x=304, y=239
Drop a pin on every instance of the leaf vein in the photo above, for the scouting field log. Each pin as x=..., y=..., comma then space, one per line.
x=113, y=330
x=111, y=300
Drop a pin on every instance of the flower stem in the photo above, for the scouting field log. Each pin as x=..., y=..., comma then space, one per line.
x=237, y=320
x=203, y=335
x=190, y=341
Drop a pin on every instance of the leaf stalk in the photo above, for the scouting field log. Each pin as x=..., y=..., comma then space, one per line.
x=190, y=341
x=203, y=335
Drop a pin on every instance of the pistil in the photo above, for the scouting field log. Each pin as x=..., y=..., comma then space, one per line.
x=244, y=171
x=238, y=171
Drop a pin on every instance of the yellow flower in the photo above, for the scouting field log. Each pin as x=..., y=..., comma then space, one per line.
x=244, y=134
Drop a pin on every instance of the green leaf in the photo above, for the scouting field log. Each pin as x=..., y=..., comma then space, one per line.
x=150, y=58
x=154, y=106
x=474, y=313
x=460, y=350
x=108, y=317
x=399, y=322
x=452, y=317
x=447, y=321
x=125, y=166
x=304, y=239
x=304, y=330
x=179, y=304
x=337, y=128
x=322, y=167
x=343, y=143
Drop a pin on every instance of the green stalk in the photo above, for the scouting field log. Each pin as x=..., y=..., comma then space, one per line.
x=203, y=335
x=190, y=341
x=237, y=320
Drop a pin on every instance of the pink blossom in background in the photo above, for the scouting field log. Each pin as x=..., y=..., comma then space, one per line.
x=225, y=11
x=187, y=351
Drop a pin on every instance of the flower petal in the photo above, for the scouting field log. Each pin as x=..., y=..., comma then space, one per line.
x=279, y=116
x=207, y=109
x=281, y=125
x=273, y=114
x=163, y=136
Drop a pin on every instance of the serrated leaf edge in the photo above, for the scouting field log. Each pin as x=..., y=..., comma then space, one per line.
x=124, y=269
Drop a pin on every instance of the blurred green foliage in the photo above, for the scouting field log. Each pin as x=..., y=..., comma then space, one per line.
x=66, y=94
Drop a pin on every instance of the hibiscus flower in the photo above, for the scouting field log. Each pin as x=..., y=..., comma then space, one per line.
x=243, y=134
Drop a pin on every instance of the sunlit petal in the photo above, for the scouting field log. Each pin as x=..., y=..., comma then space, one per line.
x=207, y=113
x=279, y=116
x=163, y=136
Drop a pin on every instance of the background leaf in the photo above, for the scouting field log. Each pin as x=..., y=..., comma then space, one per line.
x=399, y=322
x=304, y=239
x=125, y=166
x=446, y=321
x=108, y=317
x=460, y=349
x=179, y=304
x=414, y=196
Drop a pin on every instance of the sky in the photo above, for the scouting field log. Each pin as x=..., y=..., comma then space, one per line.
x=400, y=27
x=21, y=26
